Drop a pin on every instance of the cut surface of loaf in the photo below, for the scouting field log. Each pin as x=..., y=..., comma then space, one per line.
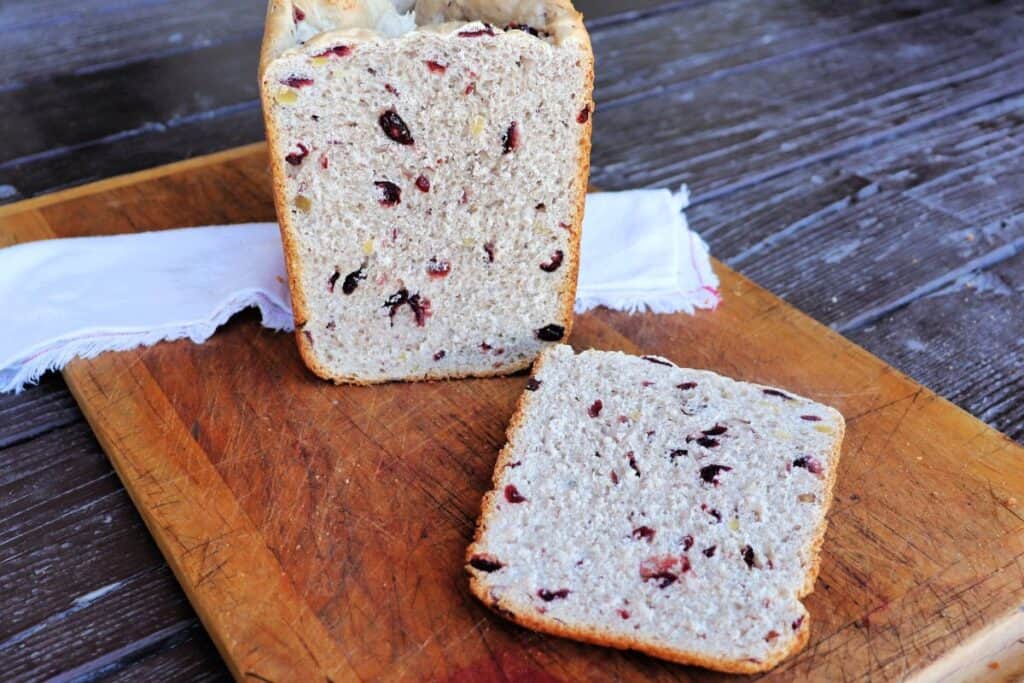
x=661, y=509
x=429, y=170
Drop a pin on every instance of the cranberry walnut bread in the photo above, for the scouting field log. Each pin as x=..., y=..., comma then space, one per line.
x=429, y=170
x=665, y=510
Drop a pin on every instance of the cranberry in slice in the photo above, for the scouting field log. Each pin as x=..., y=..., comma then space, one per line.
x=394, y=127
x=550, y=333
x=615, y=478
x=470, y=89
x=797, y=622
x=323, y=161
x=485, y=563
x=810, y=418
x=707, y=442
x=548, y=595
x=717, y=430
x=623, y=613
x=487, y=30
x=677, y=453
x=748, y=556
x=709, y=552
x=295, y=158
x=595, y=408
x=643, y=532
x=438, y=269
x=687, y=542
x=352, y=280
x=711, y=511
x=390, y=194
x=584, y=115
x=552, y=265
x=391, y=89
x=512, y=494
x=336, y=51
x=423, y=184
x=808, y=463
x=533, y=384
x=439, y=355
x=526, y=28
x=297, y=82
x=333, y=279
x=660, y=568
x=632, y=463
x=659, y=361
x=297, y=14
x=709, y=473
x=772, y=635
x=510, y=140
x=436, y=67
x=776, y=392
x=686, y=385
x=489, y=248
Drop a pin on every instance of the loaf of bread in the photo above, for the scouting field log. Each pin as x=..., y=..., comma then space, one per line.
x=429, y=172
x=649, y=507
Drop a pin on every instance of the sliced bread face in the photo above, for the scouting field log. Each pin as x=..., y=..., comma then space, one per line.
x=666, y=510
x=429, y=184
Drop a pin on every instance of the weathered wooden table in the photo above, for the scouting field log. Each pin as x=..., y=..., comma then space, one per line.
x=864, y=162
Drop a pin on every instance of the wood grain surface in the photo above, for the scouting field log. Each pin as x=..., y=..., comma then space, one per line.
x=319, y=530
x=857, y=159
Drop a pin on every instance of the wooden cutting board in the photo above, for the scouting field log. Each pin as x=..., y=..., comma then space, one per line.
x=319, y=530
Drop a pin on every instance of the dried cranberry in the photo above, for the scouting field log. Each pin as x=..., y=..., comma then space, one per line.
x=297, y=14
x=677, y=453
x=584, y=115
x=717, y=430
x=533, y=384
x=595, y=408
x=550, y=333
x=352, y=280
x=711, y=511
x=512, y=494
x=526, y=28
x=684, y=564
x=547, y=595
x=390, y=194
x=323, y=161
x=297, y=82
x=484, y=346
x=643, y=532
x=797, y=622
x=336, y=51
x=295, y=158
x=687, y=542
x=808, y=463
x=515, y=464
x=632, y=462
x=333, y=279
x=647, y=383
x=709, y=473
x=485, y=563
x=489, y=248
x=487, y=30
x=810, y=418
x=309, y=336
x=772, y=635
x=615, y=478
x=438, y=269
x=748, y=556
x=391, y=89
x=707, y=442
x=659, y=361
x=394, y=127
x=556, y=261
x=439, y=355
x=660, y=568
x=709, y=552
x=510, y=140
x=564, y=226
x=470, y=89
x=623, y=613
x=776, y=392
x=464, y=199
x=420, y=306
x=686, y=385
x=423, y=184
x=436, y=67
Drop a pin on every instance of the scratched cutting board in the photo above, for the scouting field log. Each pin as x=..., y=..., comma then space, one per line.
x=319, y=530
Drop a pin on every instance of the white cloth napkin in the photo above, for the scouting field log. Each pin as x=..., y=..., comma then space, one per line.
x=79, y=297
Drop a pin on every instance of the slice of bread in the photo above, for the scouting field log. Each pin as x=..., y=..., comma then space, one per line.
x=429, y=173
x=650, y=507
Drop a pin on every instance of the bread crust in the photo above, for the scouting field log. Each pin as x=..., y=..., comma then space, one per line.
x=278, y=36
x=522, y=615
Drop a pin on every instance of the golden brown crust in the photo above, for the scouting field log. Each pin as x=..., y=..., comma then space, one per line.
x=524, y=616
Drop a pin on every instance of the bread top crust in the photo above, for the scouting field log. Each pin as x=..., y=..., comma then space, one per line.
x=293, y=23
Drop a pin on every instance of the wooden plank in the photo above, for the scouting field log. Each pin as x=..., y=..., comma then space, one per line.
x=745, y=127
x=35, y=411
x=935, y=339
x=376, y=578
